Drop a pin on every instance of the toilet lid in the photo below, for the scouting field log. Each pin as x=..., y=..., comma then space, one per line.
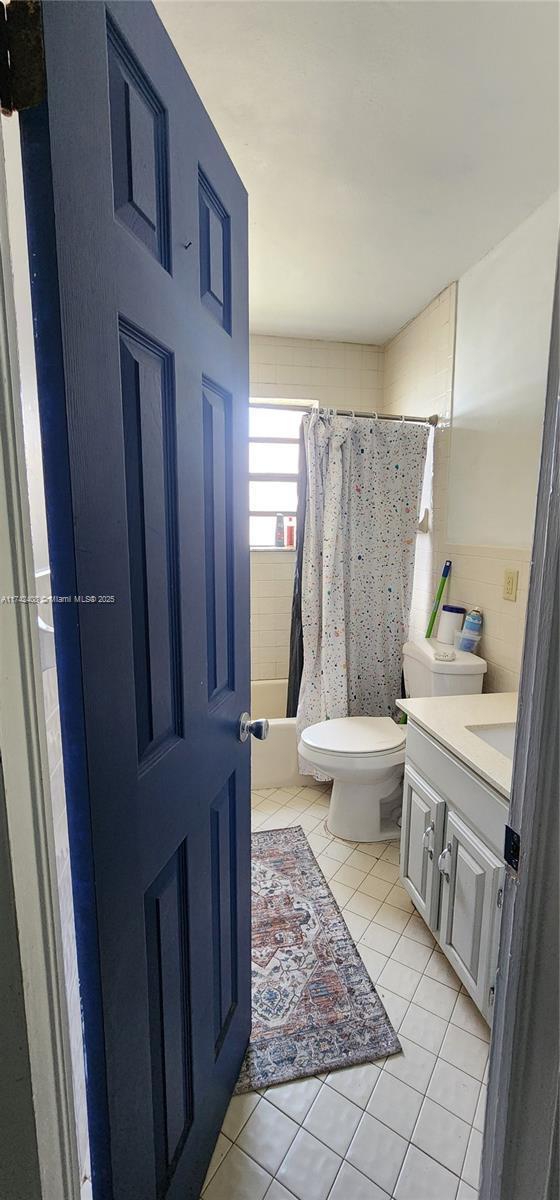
x=355, y=735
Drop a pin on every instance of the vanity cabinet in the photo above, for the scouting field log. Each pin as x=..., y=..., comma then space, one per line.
x=471, y=883
x=452, y=830
x=422, y=822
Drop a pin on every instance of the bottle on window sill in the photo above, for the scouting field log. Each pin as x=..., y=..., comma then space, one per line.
x=279, y=538
x=290, y=533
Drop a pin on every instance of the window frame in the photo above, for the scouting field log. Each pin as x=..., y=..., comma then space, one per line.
x=277, y=476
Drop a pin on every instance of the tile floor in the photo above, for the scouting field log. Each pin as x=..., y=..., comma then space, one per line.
x=408, y=1127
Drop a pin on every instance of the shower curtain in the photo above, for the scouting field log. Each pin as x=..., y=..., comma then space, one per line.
x=364, y=483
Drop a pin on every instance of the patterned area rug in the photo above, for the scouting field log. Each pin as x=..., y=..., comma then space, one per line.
x=314, y=1006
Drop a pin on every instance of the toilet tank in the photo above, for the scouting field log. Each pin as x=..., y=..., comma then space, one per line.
x=425, y=675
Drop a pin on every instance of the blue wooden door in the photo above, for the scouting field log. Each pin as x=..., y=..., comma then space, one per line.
x=138, y=237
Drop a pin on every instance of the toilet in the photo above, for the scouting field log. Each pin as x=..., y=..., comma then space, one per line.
x=364, y=756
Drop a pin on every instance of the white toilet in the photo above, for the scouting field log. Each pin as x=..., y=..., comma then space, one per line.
x=364, y=756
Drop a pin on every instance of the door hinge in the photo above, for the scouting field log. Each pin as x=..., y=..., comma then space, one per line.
x=512, y=850
x=491, y=996
x=500, y=898
x=22, y=64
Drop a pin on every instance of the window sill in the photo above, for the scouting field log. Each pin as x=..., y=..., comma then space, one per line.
x=272, y=549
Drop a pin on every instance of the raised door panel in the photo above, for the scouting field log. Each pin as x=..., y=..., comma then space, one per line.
x=421, y=841
x=472, y=877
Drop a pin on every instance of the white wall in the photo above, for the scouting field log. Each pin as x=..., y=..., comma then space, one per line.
x=417, y=381
x=504, y=313
x=34, y=466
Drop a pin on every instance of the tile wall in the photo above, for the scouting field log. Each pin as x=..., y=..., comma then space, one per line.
x=272, y=584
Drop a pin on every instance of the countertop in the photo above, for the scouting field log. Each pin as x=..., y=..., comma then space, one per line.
x=446, y=719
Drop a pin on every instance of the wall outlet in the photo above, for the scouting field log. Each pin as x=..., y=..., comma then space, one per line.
x=511, y=579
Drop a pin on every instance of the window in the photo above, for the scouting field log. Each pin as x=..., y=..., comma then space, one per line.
x=273, y=470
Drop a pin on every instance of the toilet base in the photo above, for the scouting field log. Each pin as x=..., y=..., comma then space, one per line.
x=358, y=813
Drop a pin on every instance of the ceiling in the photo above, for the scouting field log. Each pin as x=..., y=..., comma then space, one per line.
x=386, y=147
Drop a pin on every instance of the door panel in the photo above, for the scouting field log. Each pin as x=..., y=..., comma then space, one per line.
x=471, y=881
x=421, y=842
x=137, y=224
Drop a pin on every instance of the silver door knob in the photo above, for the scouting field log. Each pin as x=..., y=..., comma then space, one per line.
x=442, y=862
x=258, y=728
x=426, y=839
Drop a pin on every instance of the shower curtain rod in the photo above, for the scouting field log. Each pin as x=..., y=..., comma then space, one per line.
x=347, y=412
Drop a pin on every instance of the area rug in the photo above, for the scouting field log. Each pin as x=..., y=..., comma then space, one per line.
x=315, y=1008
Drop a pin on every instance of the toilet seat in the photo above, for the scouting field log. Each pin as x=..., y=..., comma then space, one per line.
x=361, y=737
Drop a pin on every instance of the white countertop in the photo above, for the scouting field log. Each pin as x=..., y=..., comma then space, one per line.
x=446, y=718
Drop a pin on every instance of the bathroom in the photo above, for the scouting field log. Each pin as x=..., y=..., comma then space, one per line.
x=287, y=955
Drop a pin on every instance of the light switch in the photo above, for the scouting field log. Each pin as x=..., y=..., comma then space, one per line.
x=511, y=579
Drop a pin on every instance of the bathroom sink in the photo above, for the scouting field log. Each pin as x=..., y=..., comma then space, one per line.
x=500, y=737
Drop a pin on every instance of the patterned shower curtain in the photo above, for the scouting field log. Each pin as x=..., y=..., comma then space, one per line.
x=364, y=483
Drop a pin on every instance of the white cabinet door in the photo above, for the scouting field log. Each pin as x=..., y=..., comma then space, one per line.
x=422, y=825
x=472, y=878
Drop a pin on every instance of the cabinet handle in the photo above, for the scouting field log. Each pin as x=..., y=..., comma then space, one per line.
x=445, y=854
x=429, y=830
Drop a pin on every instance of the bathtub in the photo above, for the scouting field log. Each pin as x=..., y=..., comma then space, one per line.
x=274, y=763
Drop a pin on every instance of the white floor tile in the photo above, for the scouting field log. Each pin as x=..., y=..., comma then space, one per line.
x=392, y=852
x=333, y=1119
x=436, y=997
x=294, y=1099
x=267, y=1135
x=466, y=1192
x=373, y=962
x=464, y=1051
x=328, y=866
x=341, y=893
x=357, y=925
x=277, y=1191
x=238, y=1113
x=411, y=953
x=424, y=1028
x=391, y=918
x=342, y=853
x=350, y=1184
x=238, y=1178
x=364, y=906
x=373, y=886
x=360, y=860
x=481, y=1109
x=377, y=937
x=414, y=1066
x=419, y=932
x=385, y=870
x=318, y=843
x=221, y=1148
x=471, y=1166
x=374, y=849
x=442, y=1135
x=466, y=1015
x=423, y=1179
x=439, y=968
x=378, y=1152
x=396, y=1104
x=395, y=1006
x=349, y=876
x=454, y=1090
x=400, y=899
x=356, y=1083
x=400, y=979
x=309, y=1168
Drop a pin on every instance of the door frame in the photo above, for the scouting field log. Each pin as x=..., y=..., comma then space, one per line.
x=520, y=1152
x=26, y=777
